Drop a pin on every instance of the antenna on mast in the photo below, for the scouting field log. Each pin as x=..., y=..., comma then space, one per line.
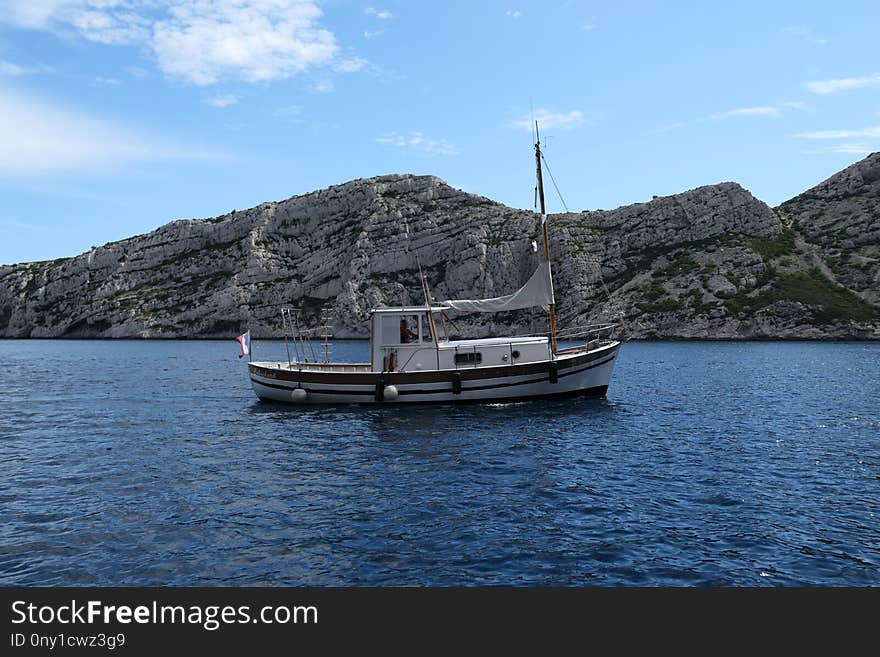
x=533, y=121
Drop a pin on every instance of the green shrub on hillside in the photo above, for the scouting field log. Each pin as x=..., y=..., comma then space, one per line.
x=828, y=301
x=773, y=247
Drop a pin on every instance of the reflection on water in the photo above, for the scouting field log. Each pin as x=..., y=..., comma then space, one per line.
x=433, y=421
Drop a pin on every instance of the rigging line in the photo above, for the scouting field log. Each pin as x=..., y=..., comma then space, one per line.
x=547, y=164
x=602, y=281
x=422, y=281
x=559, y=194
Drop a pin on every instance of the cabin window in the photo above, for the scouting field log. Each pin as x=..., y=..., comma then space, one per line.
x=401, y=329
x=426, y=328
x=409, y=329
x=468, y=358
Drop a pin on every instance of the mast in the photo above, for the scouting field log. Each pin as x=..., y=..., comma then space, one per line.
x=427, y=291
x=546, y=236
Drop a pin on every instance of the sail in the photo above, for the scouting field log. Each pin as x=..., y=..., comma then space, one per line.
x=538, y=291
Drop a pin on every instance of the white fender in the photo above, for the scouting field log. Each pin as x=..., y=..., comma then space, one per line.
x=391, y=393
x=298, y=395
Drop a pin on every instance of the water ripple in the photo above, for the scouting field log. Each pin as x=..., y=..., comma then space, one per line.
x=152, y=463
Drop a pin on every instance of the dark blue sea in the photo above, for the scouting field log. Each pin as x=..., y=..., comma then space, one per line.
x=709, y=464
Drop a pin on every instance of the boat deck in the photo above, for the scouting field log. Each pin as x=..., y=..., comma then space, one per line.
x=318, y=367
x=328, y=368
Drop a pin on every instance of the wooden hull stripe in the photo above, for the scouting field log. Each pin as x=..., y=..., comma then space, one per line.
x=594, y=392
x=434, y=392
x=514, y=383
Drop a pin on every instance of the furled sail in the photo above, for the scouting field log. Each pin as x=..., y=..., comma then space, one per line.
x=538, y=291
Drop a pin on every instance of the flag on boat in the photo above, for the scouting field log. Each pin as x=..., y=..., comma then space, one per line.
x=245, y=341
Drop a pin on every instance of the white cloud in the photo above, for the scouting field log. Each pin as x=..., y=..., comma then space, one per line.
x=589, y=25
x=137, y=71
x=102, y=21
x=857, y=149
x=221, y=100
x=289, y=114
x=418, y=141
x=870, y=133
x=288, y=111
x=806, y=34
x=8, y=69
x=750, y=111
x=669, y=127
x=382, y=14
x=37, y=137
x=372, y=35
x=255, y=40
x=773, y=111
x=23, y=225
x=513, y=13
x=199, y=41
x=842, y=84
x=107, y=82
x=852, y=149
x=868, y=145
x=11, y=69
x=323, y=87
x=350, y=65
x=548, y=119
x=109, y=22
x=36, y=14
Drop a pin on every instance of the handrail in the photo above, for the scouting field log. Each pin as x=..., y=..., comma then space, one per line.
x=587, y=330
x=567, y=332
x=607, y=331
x=387, y=349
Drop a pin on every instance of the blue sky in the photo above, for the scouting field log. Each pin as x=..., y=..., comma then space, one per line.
x=117, y=116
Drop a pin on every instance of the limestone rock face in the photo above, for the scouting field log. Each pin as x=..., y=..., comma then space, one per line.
x=841, y=216
x=709, y=263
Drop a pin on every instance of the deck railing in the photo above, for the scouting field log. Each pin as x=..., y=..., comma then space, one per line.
x=325, y=367
x=510, y=360
x=607, y=331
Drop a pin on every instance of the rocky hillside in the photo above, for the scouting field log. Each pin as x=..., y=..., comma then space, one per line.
x=712, y=263
x=841, y=218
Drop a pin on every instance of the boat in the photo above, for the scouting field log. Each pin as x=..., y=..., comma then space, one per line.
x=414, y=359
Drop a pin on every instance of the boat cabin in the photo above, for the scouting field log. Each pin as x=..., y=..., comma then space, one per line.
x=410, y=339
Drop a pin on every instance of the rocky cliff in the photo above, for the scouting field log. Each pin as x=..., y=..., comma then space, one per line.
x=713, y=263
x=841, y=218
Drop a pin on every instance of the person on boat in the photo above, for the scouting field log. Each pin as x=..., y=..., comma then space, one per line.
x=406, y=333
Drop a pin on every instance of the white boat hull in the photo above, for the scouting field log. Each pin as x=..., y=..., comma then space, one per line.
x=571, y=373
